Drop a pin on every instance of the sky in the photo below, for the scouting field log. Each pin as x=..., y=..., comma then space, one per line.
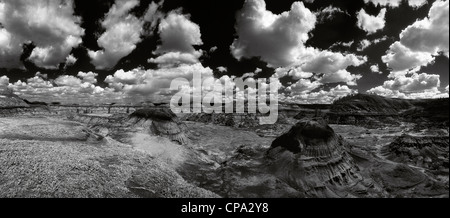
x=129, y=51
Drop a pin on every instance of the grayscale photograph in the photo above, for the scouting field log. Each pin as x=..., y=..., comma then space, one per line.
x=227, y=99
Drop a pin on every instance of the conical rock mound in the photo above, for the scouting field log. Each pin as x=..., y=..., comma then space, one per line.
x=311, y=158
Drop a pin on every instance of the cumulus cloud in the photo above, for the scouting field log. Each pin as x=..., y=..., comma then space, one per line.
x=430, y=34
x=364, y=44
x=276, y=38
x=332, y=66
x=151, y=83
x=65, y=89
x=123, y=32
x=341, y=76
x=320, y=97
x=178, y=36
x=222, y=69
x=328, y=13
x=153, y=15
x=371, y=24
x=375, y=69
x=88, y=77
x=70, y=60
x=296, y=73
x=176, y=58
x=4, y=81
x=413, y=86
x=421, y=41
x=303, y=86
x=50, y=25
x=401, y=58
x=396, y=3
x=67, y=80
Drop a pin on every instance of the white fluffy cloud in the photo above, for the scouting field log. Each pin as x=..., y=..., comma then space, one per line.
x=421, y=41
x=341, y=76
x=4, y=81
x=153, y=15
x=303, y=86
x=176, y=58
x=333, y=67
x=50, y=25
x=413, y=86
x=328, y=62
x=375, y=68
x=320, y=97
x=396, y=3
x=276, y=38
x=369, y=23
x=70, y=60
x=153, y=83
x=67, y=80
x=88, y=77
x=178, y=35
x=66, y=89
x=123, y=32
x=430, y=34
x=364, y=44
x=222, y=69
x=327, y=13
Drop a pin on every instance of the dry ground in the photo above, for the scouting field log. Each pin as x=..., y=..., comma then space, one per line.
x=50, y=157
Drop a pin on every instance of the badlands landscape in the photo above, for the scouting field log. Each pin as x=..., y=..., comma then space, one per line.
x=363, y=146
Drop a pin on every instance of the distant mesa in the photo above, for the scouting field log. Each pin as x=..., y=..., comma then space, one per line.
x=375, y=111
x=10, y=100
x=365, y=103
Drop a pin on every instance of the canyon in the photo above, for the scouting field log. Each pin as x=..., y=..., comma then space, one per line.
x=361, y=146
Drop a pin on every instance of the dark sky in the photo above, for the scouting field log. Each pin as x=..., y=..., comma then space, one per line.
x=336, y=30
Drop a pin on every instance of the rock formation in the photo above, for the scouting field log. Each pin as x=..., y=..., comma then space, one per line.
x=12, y=105
x=160, y=121
x=157, y=121
x=311, y=158
x=430, y=152
x=10, y=100
x=375, y=111
x=245, y=120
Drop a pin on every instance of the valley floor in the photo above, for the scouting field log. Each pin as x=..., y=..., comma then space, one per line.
x=50, y=156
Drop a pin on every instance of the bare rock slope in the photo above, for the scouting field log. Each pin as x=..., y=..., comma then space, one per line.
x=313, y=159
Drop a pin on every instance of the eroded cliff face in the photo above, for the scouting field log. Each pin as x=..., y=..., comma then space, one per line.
x=11, y=101
x=311, y=158
x=24, y=111
x=13, y=106
x=430, y=152
x=245, y=120
x=119, y=126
